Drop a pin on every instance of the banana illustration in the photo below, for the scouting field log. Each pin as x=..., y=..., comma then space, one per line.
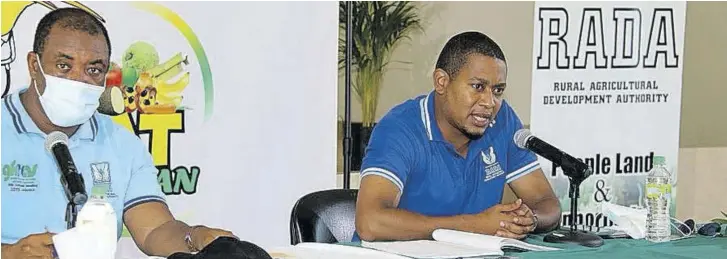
x=11, y=11
x=171, y=93
x=170, y=68
x=172, y=72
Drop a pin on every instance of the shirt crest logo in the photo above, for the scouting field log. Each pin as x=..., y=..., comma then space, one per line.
x=490, y=157
x=101, y=173
x=492, y=167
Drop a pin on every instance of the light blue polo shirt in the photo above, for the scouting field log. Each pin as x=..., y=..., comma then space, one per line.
x=408, y=149
x=33, y=198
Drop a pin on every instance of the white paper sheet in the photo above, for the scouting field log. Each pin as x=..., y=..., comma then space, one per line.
x=428, y=249
x=82, y=243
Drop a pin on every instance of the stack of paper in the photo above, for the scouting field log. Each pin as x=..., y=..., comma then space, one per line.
x=428, y=249
x=328, y=251
x=454, y=244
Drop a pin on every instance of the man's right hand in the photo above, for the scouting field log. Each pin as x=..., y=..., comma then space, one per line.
x=488, y=221
x=35, y=246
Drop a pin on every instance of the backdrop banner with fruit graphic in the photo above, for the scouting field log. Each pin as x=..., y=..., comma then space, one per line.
x=236, y=102
x=606, y=88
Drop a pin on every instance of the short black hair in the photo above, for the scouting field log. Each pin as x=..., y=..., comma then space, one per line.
x=68, y=18
x=456, y=51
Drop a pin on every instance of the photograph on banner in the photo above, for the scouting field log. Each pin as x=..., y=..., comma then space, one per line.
x=606, y=88
x=204, y=100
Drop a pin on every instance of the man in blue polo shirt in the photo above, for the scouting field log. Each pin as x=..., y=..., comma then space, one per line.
x=442, y=160
x=68, y=67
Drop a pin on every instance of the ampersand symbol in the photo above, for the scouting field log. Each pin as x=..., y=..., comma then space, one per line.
x=601, y=193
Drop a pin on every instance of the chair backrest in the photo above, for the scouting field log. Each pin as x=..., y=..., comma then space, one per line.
x=324, y=217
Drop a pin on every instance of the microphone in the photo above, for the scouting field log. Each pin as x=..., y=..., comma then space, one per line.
x=57, y=144
x=577, y=171
x=572, y=167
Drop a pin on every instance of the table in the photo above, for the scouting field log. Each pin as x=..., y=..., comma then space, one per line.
x=698, y=247
x=693, y=247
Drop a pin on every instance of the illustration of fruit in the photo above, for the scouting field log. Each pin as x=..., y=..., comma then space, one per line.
x=144, y=82
x=147, y=98
x=171, y=93
x=129, y=75
x=130, y=98
x=160, y=109
x=113, y=76
x=141, y=56
x=111, y=101
x=170, y=68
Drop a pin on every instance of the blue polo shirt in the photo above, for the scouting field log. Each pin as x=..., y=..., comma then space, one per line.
x=408, y=149
x=33, y=198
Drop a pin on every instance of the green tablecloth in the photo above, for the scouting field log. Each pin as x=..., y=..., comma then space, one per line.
x=693, y=247
x=699, y=247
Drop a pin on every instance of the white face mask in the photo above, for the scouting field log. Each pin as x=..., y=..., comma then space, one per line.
x=633, y=220
x=66, y=102
x=630, y=220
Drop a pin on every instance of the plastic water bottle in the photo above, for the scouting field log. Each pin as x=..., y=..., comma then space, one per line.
x=98, y=218
x=658, y=197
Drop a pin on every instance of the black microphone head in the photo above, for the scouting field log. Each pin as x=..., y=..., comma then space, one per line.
x=54, y=138
x=521, y=138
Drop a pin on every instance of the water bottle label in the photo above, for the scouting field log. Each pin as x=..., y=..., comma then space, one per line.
x=655, y=190
x=99, y=191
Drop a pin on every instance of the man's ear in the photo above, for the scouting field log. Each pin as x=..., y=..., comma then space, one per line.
x=33, y=64
x=36, y=76
x=441, y=80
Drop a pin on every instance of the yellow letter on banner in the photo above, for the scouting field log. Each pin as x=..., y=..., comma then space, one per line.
x=124, y=120
x=160, y=125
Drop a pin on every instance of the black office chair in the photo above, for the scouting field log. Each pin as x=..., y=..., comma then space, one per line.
x=324, y=217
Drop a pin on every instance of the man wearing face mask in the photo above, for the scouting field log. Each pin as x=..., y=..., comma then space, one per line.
x=442, y=160
x=67, y=67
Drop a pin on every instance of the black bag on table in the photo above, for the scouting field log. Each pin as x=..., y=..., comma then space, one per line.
x=226, y=248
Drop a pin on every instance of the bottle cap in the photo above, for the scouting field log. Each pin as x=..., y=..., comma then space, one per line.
x=659, y=160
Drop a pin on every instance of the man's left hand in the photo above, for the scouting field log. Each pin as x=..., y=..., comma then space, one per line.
x=203, y=236
x=523, y=222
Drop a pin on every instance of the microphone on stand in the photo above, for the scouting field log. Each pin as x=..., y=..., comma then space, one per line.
x=577, y=171
x=56, y=143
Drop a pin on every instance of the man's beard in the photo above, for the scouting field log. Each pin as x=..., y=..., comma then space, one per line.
x=473, y=134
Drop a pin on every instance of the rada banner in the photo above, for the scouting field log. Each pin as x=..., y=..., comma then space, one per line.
x=236, y=102
x=606, y=88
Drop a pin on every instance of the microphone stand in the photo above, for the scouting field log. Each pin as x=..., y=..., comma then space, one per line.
x=347, y=147
x=75, y=201
x=573, y=235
